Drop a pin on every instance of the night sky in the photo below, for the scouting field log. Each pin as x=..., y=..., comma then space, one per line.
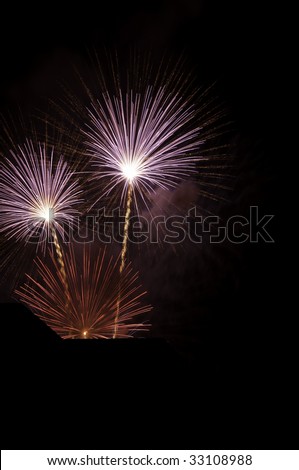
x=213, y=347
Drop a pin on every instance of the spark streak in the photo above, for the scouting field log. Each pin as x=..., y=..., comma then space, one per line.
x=126, y=228
x=59, y=254
x=124, y=251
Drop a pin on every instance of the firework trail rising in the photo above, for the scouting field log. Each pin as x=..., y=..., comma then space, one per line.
x=37, y=198
x=123, y=252
x=93, y=290
x=59, y=254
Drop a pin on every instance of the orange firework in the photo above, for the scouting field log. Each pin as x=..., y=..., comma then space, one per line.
x=94, y=291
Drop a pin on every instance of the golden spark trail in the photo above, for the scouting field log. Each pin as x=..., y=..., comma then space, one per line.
x=124, y=251
x=59, y=254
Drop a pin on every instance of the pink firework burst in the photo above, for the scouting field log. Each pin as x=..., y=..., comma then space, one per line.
x=36, y=194
x=88, y=310
x=145, y=140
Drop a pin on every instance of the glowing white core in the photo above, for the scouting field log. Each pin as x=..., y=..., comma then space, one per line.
x=130, y=171
x=47, y=213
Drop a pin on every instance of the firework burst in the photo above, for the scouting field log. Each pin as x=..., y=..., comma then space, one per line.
x=37, y=196
x=94, y=290
x=142, y=141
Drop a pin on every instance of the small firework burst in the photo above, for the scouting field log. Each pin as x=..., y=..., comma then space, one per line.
x=37, y=195
x=96, y=291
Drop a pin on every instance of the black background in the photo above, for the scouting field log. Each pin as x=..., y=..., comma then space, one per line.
x=222, y=391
